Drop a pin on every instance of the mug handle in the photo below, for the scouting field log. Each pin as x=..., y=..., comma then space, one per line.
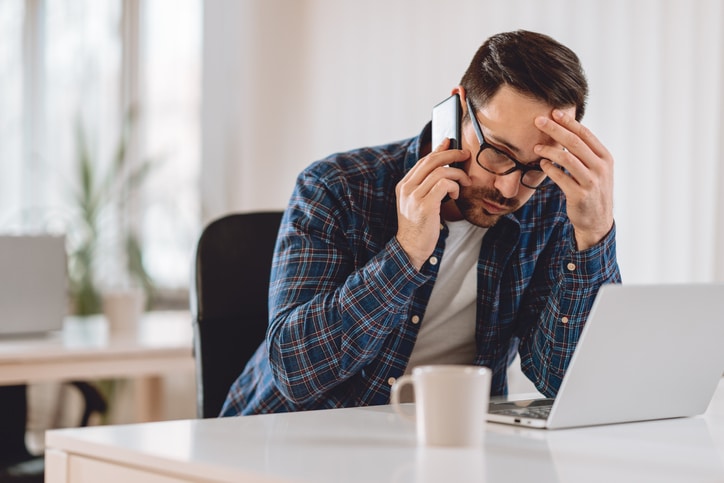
x=395, y=396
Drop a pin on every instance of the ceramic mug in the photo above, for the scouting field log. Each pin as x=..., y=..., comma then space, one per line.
x=451, y=403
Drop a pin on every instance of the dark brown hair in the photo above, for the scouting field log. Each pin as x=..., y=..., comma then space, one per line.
x=532, y=63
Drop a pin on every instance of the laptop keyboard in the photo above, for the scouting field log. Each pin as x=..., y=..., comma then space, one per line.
x=539, y=412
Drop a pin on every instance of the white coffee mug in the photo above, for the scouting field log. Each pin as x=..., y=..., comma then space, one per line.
x=451, y=403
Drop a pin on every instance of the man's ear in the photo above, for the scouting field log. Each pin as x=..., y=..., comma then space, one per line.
x=460, y=90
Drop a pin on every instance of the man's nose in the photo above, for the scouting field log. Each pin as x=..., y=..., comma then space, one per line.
x=508, y=184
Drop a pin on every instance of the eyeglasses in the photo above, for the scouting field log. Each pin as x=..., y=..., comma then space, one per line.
x=500, y=163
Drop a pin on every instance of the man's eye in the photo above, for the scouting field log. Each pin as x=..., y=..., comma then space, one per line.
x=501, y=157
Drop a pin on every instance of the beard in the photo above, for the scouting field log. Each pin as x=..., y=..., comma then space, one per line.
x=472, y=207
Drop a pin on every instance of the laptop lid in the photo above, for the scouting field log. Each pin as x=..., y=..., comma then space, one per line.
x=646, y=352
x=33, y=283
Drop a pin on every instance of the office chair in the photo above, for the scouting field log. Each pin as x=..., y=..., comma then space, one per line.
x=17, y=464
x=228, y=300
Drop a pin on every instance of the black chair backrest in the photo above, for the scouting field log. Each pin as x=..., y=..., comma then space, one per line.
x=229, y=300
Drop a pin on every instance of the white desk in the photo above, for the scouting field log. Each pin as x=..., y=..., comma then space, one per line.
x=86, y=349
x=374, y=445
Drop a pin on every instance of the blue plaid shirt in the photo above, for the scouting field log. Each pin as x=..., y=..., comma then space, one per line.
x=343, y=293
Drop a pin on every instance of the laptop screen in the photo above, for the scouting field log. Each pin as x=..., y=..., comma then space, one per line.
x=33, y=283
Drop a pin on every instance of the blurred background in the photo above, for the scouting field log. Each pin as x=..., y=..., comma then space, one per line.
x=230, y=99
x=197, y=108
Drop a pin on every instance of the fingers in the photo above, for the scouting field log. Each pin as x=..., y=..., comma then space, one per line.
x=443, y=146
x=443, y=180
x=582, y=154
x=572, y=135
x=442, y=156
x=437, y=166
x=583, y=168
x=419, y=195
x=556, y=159
x=581, y=131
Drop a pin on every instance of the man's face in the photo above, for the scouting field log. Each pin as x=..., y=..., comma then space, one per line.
x=507, y=123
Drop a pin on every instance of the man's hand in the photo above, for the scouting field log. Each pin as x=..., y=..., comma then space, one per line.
x=588, y=182
x=419, y=195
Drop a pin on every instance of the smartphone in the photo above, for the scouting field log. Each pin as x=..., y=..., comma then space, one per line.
x=446, y=119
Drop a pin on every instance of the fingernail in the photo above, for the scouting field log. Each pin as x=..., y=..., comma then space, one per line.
x=557, y=114
x=541, y=121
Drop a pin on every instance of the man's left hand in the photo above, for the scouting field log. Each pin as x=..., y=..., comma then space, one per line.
x=588, y=177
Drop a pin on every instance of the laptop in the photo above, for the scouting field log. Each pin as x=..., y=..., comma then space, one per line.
x=646, y=352
x=33, y=284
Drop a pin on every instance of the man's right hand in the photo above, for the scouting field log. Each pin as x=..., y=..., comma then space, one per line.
x=419, y=195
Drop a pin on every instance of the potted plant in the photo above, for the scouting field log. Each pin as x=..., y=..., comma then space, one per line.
x=104, y=249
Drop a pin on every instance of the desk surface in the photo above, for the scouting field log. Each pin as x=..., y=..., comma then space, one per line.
x=86, y=349
x=374, y=445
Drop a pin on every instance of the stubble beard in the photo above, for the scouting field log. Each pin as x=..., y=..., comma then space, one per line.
x=471, y=206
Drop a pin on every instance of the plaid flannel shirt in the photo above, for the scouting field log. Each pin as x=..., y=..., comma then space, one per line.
x=343, y=294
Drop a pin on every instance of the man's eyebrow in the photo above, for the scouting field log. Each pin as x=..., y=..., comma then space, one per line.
x=505, y=143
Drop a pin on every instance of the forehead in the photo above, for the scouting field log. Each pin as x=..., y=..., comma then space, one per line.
x=509, y=116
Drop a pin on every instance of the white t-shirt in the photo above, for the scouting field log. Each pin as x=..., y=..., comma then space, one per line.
x=447, y=333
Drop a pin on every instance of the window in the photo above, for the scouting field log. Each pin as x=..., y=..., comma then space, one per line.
x=11, y=107
x=67, y=65
x=172, y=79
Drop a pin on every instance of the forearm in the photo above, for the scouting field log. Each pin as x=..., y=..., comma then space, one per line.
x=325, y=326
x=576, y=276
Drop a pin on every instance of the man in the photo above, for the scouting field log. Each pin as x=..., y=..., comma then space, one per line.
x=390, y=257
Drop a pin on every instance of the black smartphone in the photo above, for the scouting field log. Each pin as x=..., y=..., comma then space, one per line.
x=446, y=118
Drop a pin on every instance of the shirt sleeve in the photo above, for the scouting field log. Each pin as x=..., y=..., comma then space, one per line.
x=574, y=278
x=329, y=312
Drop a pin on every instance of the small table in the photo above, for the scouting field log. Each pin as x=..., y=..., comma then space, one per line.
x=86, y=349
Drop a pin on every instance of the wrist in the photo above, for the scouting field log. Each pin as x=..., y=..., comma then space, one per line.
x=587, y=239
x=416, y=260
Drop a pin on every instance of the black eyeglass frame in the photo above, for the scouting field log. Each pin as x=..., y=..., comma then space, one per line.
x=522, y=167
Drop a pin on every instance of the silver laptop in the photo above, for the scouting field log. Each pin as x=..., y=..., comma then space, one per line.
x=33, y=284
x=646, y=352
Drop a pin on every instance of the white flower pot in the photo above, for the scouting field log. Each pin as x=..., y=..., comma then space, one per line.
x=123, y=309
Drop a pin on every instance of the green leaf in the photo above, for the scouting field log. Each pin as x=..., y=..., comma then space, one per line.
x=101, y=197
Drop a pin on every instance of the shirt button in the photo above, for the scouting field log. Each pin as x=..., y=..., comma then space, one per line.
x=391, y=381
x=571, y=266
x=415, y=319
x=433, y=260
x=564, y=320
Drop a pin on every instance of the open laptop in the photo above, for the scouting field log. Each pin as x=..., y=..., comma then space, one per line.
x=33, y=284
x=646, y=352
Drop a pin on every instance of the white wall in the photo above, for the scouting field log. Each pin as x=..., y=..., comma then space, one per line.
x=287, y=82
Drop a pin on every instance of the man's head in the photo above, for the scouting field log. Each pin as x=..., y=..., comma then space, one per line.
x=531, y=63
x=513, y=78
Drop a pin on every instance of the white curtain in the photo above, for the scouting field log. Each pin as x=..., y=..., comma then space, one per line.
x=287, y=82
